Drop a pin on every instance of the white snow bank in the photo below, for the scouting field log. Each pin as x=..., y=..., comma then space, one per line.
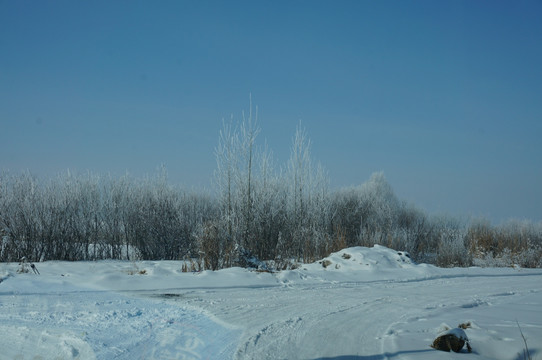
x=377, y=258
x=361, y=264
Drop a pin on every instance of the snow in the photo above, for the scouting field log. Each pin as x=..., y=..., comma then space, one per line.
x=457, y=332
x=366, y=303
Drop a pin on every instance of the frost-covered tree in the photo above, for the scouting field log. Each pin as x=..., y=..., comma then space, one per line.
x=249, y=132
x=269, y=207
x=413, y=230
x=237, y=180
x=227, y=173
x=451, y=246
x=18, y=216
x=299, y=172
x=307, y=200
x=379, y=208
x=298, y=180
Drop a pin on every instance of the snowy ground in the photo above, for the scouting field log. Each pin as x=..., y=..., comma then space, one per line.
x=368, y=303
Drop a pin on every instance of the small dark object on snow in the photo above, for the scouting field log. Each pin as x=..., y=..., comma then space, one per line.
x=452, y=339
x=35, y=269
x=325, y=263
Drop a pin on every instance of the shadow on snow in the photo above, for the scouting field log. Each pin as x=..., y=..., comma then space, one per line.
x=374, y=357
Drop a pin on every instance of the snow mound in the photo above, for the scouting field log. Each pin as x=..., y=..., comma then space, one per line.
x=362, y=258
x=360, y=264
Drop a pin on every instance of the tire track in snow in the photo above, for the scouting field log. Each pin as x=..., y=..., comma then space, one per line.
x=376, y=320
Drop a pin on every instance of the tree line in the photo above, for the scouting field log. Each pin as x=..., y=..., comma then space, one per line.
x=258, y=210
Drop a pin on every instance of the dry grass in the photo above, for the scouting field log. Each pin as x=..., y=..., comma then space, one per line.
x=526, y=353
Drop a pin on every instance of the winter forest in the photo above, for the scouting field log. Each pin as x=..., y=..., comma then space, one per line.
x=257, y=213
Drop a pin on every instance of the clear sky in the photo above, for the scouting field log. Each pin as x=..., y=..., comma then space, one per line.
x=444, y=97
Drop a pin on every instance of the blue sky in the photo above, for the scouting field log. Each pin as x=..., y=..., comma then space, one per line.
x=445, y=97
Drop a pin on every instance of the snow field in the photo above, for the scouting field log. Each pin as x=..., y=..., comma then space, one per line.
x=366, y=303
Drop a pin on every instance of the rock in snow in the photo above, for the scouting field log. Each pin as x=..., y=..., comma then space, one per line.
x=452, y=340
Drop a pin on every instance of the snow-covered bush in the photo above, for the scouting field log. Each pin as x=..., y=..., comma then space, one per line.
x=512, y=243
x=452, y=250
x=531, y=257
